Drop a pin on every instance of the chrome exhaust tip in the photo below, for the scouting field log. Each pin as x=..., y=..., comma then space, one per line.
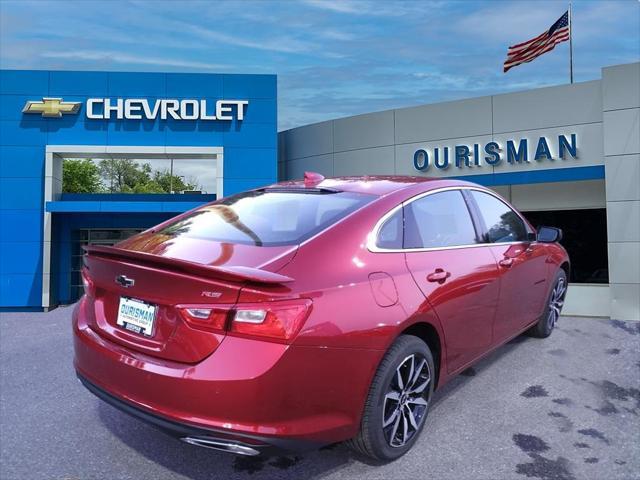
x=222, y=445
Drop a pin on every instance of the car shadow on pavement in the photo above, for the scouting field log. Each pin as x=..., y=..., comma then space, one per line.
x=466, y=375
x=198, y=463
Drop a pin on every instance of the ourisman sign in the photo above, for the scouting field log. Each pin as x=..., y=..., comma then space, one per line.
x=492, y=153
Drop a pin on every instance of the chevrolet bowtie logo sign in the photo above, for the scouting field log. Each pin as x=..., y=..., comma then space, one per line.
x=51, y=107
x=142, y=109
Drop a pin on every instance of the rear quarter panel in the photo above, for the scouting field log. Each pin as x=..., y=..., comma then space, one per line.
x=334, y=270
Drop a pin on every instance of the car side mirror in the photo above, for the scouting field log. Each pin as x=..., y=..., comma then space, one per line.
x=549, y=234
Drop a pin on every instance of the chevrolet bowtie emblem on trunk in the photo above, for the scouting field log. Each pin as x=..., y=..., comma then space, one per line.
x=124, y=281
x=51, y=107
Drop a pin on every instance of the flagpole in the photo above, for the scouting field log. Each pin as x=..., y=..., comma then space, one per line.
x=570, y=44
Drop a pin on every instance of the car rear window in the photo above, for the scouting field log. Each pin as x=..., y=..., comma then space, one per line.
x=268, y=218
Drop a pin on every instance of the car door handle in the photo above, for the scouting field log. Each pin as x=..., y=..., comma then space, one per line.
x=439, y=276
x=506, y=262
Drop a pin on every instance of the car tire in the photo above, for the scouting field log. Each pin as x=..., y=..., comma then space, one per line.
x=553, y=308
x=398, y=401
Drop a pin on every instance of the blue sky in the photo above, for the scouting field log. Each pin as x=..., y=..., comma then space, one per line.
x=333, y=58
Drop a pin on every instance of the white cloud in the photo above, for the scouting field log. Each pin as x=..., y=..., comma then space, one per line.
x=510, y=24
x=332, y=34
x=118, y=57
x=339, y=6
x=276, y=43
x=519, y=21
x=374, y=7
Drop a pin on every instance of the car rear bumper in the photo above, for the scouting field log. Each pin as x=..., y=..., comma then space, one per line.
x=241, y=444
x=256, y=392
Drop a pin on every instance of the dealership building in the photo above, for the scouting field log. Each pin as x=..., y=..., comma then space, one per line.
x=567, y=156
x=220, y=129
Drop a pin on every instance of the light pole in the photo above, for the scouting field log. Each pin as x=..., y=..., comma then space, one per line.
x=171, y=176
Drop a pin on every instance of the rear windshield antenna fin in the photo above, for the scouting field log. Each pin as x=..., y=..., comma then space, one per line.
x=311, y=179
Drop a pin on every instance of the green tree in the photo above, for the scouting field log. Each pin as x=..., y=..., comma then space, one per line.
x=127, y=176
x=80, y=176
x=170, y=182
x=124, y=175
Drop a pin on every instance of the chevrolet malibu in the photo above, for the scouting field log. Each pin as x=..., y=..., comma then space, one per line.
x=312, y=312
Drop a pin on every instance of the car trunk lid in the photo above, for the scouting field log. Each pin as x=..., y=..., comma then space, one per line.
x=166, y=282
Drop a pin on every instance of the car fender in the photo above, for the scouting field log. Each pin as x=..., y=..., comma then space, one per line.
x=424, y=314
x=556, y=256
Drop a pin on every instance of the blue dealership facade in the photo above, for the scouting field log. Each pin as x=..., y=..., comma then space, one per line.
x=49, y=116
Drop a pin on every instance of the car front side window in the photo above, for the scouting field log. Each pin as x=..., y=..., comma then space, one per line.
x=502, y=223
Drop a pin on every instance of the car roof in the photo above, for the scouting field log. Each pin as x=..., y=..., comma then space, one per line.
x=378, y=185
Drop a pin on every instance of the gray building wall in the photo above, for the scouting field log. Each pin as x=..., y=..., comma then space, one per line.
x=384, y=142
x=603, y=113
x=621, y=119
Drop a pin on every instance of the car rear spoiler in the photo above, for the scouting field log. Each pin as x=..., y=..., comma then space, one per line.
x=233, y=273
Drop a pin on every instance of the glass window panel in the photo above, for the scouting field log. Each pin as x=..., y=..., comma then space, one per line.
x=584, y=236
x=141, y=176
x=390, y=235
x=438, y=220
x=267, y=218
x=195, y=174
x=503, y=224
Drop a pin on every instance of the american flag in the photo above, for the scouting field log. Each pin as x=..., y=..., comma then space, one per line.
x=527, y=51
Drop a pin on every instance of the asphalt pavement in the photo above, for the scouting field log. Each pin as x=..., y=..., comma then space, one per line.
x=563, y=408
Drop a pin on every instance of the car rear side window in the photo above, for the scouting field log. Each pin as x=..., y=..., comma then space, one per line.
x=390, y=234
x=438, y=220
x=502, y=223
x=267, y=218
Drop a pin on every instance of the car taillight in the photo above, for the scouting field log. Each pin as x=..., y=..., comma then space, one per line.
x=87, y=283
x=279, y=320
x=206, y=317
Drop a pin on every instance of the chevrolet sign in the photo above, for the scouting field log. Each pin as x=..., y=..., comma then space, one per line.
x=51, y=107
x=186, y=109
x=141, y=109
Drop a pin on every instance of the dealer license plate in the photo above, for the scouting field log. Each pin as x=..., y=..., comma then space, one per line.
x=136, y=316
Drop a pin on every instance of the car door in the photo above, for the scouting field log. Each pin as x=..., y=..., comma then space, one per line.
x=458, y=276
x=521, y=262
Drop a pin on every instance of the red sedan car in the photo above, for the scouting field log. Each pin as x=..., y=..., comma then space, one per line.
x=307, y=313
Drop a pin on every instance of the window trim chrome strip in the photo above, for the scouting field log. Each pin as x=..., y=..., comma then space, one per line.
x=373, y=235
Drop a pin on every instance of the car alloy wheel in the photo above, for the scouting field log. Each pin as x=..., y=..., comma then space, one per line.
x=556, y=301
x=406, y=401
x=398, y=402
